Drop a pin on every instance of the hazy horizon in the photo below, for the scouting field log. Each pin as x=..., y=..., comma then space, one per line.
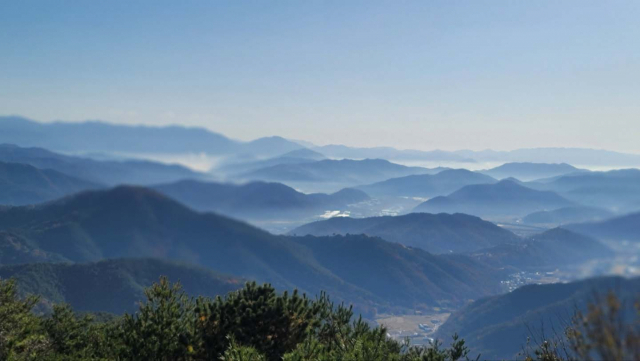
x=305, y=142
x=436, y=75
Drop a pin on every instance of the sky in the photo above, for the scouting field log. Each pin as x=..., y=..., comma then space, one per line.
x=410, y=74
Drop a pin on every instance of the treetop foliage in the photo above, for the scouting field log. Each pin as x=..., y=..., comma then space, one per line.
x=256, y=323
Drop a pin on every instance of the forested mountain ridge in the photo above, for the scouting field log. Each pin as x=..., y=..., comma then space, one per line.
x=139, y=222
x=22, y=184
x=435, y=233
x=498, y=327
x=114, y=286
x=256, y=199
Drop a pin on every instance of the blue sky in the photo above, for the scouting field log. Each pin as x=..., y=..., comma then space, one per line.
x=425, y=74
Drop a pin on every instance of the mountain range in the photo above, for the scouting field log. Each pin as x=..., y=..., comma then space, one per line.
x=577, y=156
x=427, y=185
x=345, y=152
x=340, y=173
x=401, y=273
x=555, y=248
x=530, y=171
x=621, y=228
x=505, y=198
x=96, y=136
x=617, y=190
x=22, y=184
x=567, y=215
x=114, y=286
x=436, y=233
x=257, y=200
x=94, y=171
x=497, y=327
x=137, y=222
x=235, y=167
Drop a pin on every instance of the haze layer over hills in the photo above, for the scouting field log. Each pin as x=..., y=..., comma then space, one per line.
x=100, y=172
x=567, y=215
x=102, y=137
x=622, y=228
x=618, y=190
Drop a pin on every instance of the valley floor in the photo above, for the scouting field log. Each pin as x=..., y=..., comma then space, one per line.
x=418, y=328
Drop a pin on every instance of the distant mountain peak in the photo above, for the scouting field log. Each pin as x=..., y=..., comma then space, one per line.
x=505, y=198
x=305, y=153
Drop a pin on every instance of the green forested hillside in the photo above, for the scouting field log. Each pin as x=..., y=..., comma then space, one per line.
x=114, y=286
x=404, y=275
x=256, y=323
x=15, y=249
x=498, y=326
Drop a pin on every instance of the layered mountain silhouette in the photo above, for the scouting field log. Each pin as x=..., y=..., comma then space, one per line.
x=257, y=199
x=505, y=198
x=427, y=185
x=342, y=152
x=303, y=153
x=567, y=215
x=236, y=167
x=95, y=136
x=329, y=170
x=100, y=172
x=22, y=184
x=529, y=171
x=577, y=156
x=614, y=189
x=399, y=272
x=113, y=286
x=436, y=233
x=138, y=222
x=498, y=327
x=555, y=248
x=622, y=228
x=269, y=147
